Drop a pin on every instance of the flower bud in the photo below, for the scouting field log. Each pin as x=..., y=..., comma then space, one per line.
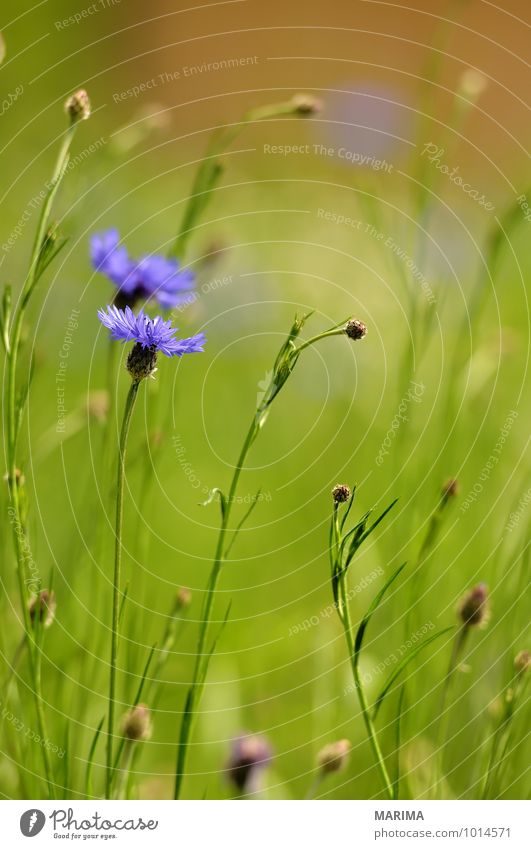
x=450, y=489
x=522, y=661
x=249, y=755
x=474, y=606
x=334, y=756
x=77, y=106
x=341, y=493
x=306, y=105
x=136, y=723
x=141, y=362
x=355, y=329
x=42, y=608
x=183, y=598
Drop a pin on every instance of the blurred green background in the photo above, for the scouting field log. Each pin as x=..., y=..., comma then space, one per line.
x=391, y=81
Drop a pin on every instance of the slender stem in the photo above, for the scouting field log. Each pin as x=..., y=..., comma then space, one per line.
x=127, y=755
x=441, y=732
x=12, y=422
x=128, y=411
x=194, y=691
x=354, y=661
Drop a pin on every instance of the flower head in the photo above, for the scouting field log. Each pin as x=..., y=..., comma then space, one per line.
x=355, y=329
x=250, y=753
x=151, y=336
x=136, y=280
x=341, y=493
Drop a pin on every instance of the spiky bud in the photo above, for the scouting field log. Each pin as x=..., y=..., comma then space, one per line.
x=473, y=608
x=42, y=608
x=522, y=661
x=136, y=723
x=355, y=329
x=306, y=105
x=341, y=493
x=141, y=362
x=334, y=756
x=77, y=106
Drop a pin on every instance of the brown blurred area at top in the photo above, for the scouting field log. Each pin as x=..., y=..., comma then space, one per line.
x=277, y=49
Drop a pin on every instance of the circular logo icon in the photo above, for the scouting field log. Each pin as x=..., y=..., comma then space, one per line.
x=32, y=822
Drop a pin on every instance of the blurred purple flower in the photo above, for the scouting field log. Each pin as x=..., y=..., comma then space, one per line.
x=249, y=756
x=149, y=277
x=154, y=333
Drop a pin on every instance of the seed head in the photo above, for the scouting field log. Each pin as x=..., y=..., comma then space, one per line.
x=306, y=105
x=334, y=756
x=42, y=608
x=77, y=106
x=355, y=329
x=136, y=723
x=341, y=493
x=474, y=606
x=522, y=661
x=141, y=362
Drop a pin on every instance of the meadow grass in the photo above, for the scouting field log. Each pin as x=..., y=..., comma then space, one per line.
x=424, y=714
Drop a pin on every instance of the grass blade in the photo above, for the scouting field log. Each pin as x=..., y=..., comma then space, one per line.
x=374, y=606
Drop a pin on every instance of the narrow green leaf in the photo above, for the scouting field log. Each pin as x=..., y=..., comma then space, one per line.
x=5, y=316
x=398, y=742
x=373, y=607
x=90, y=759
x=215, y=642
x=242, y=522
x=402, y=665
x=378, y=520
x=349, y=507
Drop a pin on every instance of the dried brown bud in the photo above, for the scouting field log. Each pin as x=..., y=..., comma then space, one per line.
x=42, y=608
x=522, y=661
x=306, y=105
x=450, y=489
x=77, y=106
x=474, y=606
x=334, y=756
x=341, y=493
x=136, y=723
x=355, y=329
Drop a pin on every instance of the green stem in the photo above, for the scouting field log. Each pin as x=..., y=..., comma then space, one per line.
x=194, y=691
x=354, y=661
x=12, y=416
x=128, y=411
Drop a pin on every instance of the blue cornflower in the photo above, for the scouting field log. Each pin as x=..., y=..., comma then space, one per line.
x=151, y=336
x=136, y=280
